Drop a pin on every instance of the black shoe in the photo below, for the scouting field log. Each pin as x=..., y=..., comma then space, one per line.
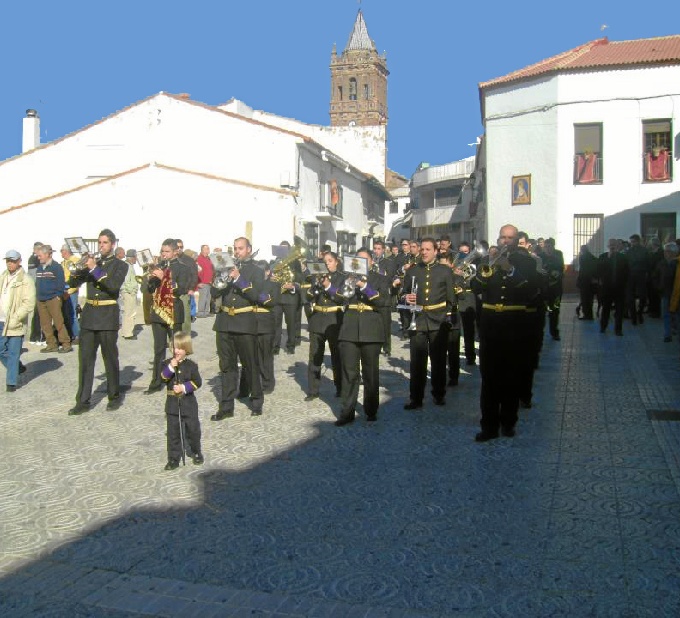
x=198, y=459
x=556, y=338
x=267, y=391
x=243, y=396
x=11, y=388
x=526, y=403
x=172, y=464
x=276, y=352
x=311, y=397
x=484, y=436
x=439, y=401
x=413, y=405
x=79, y=408
x=641, y=320
x=153, y=389
x=22, y=367
x=453, y=382
x=508, y=432
x=602, y=329
x=114, y=404
x=220, y=416
x=470, y=361
x=256, y=413
x=371, y=418
x=289, y=351
x=344, y=420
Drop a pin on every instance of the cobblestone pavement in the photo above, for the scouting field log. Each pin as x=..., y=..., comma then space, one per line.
x=578, y=515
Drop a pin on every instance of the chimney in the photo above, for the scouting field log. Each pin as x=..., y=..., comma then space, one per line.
x=31, y=135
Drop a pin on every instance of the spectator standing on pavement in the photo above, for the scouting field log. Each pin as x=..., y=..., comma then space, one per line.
x=35, y=334
x=666, y=271
x=128, y=294
x=50, y=288
x=613, y=274
x=586, y=281
x=17, y=300
x=656, y=261
x=192, y=269
x=205, y=277
x=70, y=304
x=638, y=263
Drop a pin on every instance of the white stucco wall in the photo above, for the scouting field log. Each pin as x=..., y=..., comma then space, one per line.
x=362, y=147
x=146, y=207
x=530, y=130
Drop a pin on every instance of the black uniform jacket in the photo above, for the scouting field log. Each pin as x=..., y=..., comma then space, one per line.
x=237, y=296
x=327, y=305
x=103, y=284
x=362, y=322
x=435, y=294
x=507, y=298
x=186, y=373
x=266, y=321
x=181, y=280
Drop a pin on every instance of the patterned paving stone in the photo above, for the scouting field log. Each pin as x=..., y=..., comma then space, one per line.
x=576, y=516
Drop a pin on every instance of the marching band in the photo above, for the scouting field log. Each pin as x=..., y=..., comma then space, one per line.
x=441, y=296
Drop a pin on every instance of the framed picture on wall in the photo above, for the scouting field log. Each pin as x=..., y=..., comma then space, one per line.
x=521, y=189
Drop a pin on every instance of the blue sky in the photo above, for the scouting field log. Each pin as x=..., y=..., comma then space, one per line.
x=77, y=61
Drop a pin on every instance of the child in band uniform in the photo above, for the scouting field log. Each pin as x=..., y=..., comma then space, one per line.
x=181, y=408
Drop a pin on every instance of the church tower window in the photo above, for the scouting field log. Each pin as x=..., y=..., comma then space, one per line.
x=352, y=89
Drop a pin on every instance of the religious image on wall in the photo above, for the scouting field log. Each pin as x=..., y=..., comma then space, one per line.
x=521, y=189
x=336, y=194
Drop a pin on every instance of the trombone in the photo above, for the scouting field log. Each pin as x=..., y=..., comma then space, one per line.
x=487, y=270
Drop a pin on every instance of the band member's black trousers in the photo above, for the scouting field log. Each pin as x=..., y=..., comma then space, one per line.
x=352, y=354
x=530, y=355
x=433, y=344
x=161, y=335
x=190, y=425
x=90, y=340
x=317, y=347
x=292, y=314
x=231, y=347
x=386, y=316
x=467, y=318
x=265, y=359
x=453, y=353
x=501, y=370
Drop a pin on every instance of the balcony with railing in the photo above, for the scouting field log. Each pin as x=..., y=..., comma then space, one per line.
x=656, y=166
x=458, y=170
x=588, y=169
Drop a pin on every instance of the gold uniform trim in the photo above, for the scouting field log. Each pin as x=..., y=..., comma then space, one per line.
x=234, y=311
x=96, y=302
x=360, y=307
x=499, y=308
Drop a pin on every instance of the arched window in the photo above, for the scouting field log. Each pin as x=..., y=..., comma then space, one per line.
x=352, y=89
x=340, y=92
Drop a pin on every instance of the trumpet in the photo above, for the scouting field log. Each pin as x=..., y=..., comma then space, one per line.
x=224, y=277
x=487, y=270
x=412, y=327
x=80, y=266
x=349, y=285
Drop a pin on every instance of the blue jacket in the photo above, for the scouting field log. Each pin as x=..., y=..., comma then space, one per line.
x=49, y=281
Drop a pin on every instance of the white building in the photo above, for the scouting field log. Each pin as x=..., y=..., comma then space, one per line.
x=581, y=146
x=171, y=167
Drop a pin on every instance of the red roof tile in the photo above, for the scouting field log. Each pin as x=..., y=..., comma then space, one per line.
x=601, y=53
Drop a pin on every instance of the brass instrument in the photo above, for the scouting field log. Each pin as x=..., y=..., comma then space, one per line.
x=79, y=267
x=223, y=276
x=357, y=272
x=282, y=271
x=487, y=270
x=465, y=265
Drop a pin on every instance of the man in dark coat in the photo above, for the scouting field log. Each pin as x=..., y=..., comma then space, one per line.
x=435, y=300
x=236, y=331
x=613, y=271
x=99, y=322
x=360, y=338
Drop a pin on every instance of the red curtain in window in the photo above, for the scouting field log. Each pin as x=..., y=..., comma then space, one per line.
x=657, y=167
x=585, y=168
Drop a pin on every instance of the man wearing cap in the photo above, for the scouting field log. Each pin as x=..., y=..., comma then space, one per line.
x=17, y=299
x=128, y=293
x=50, y=287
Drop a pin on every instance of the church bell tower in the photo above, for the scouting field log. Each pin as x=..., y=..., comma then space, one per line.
x=358, y=81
